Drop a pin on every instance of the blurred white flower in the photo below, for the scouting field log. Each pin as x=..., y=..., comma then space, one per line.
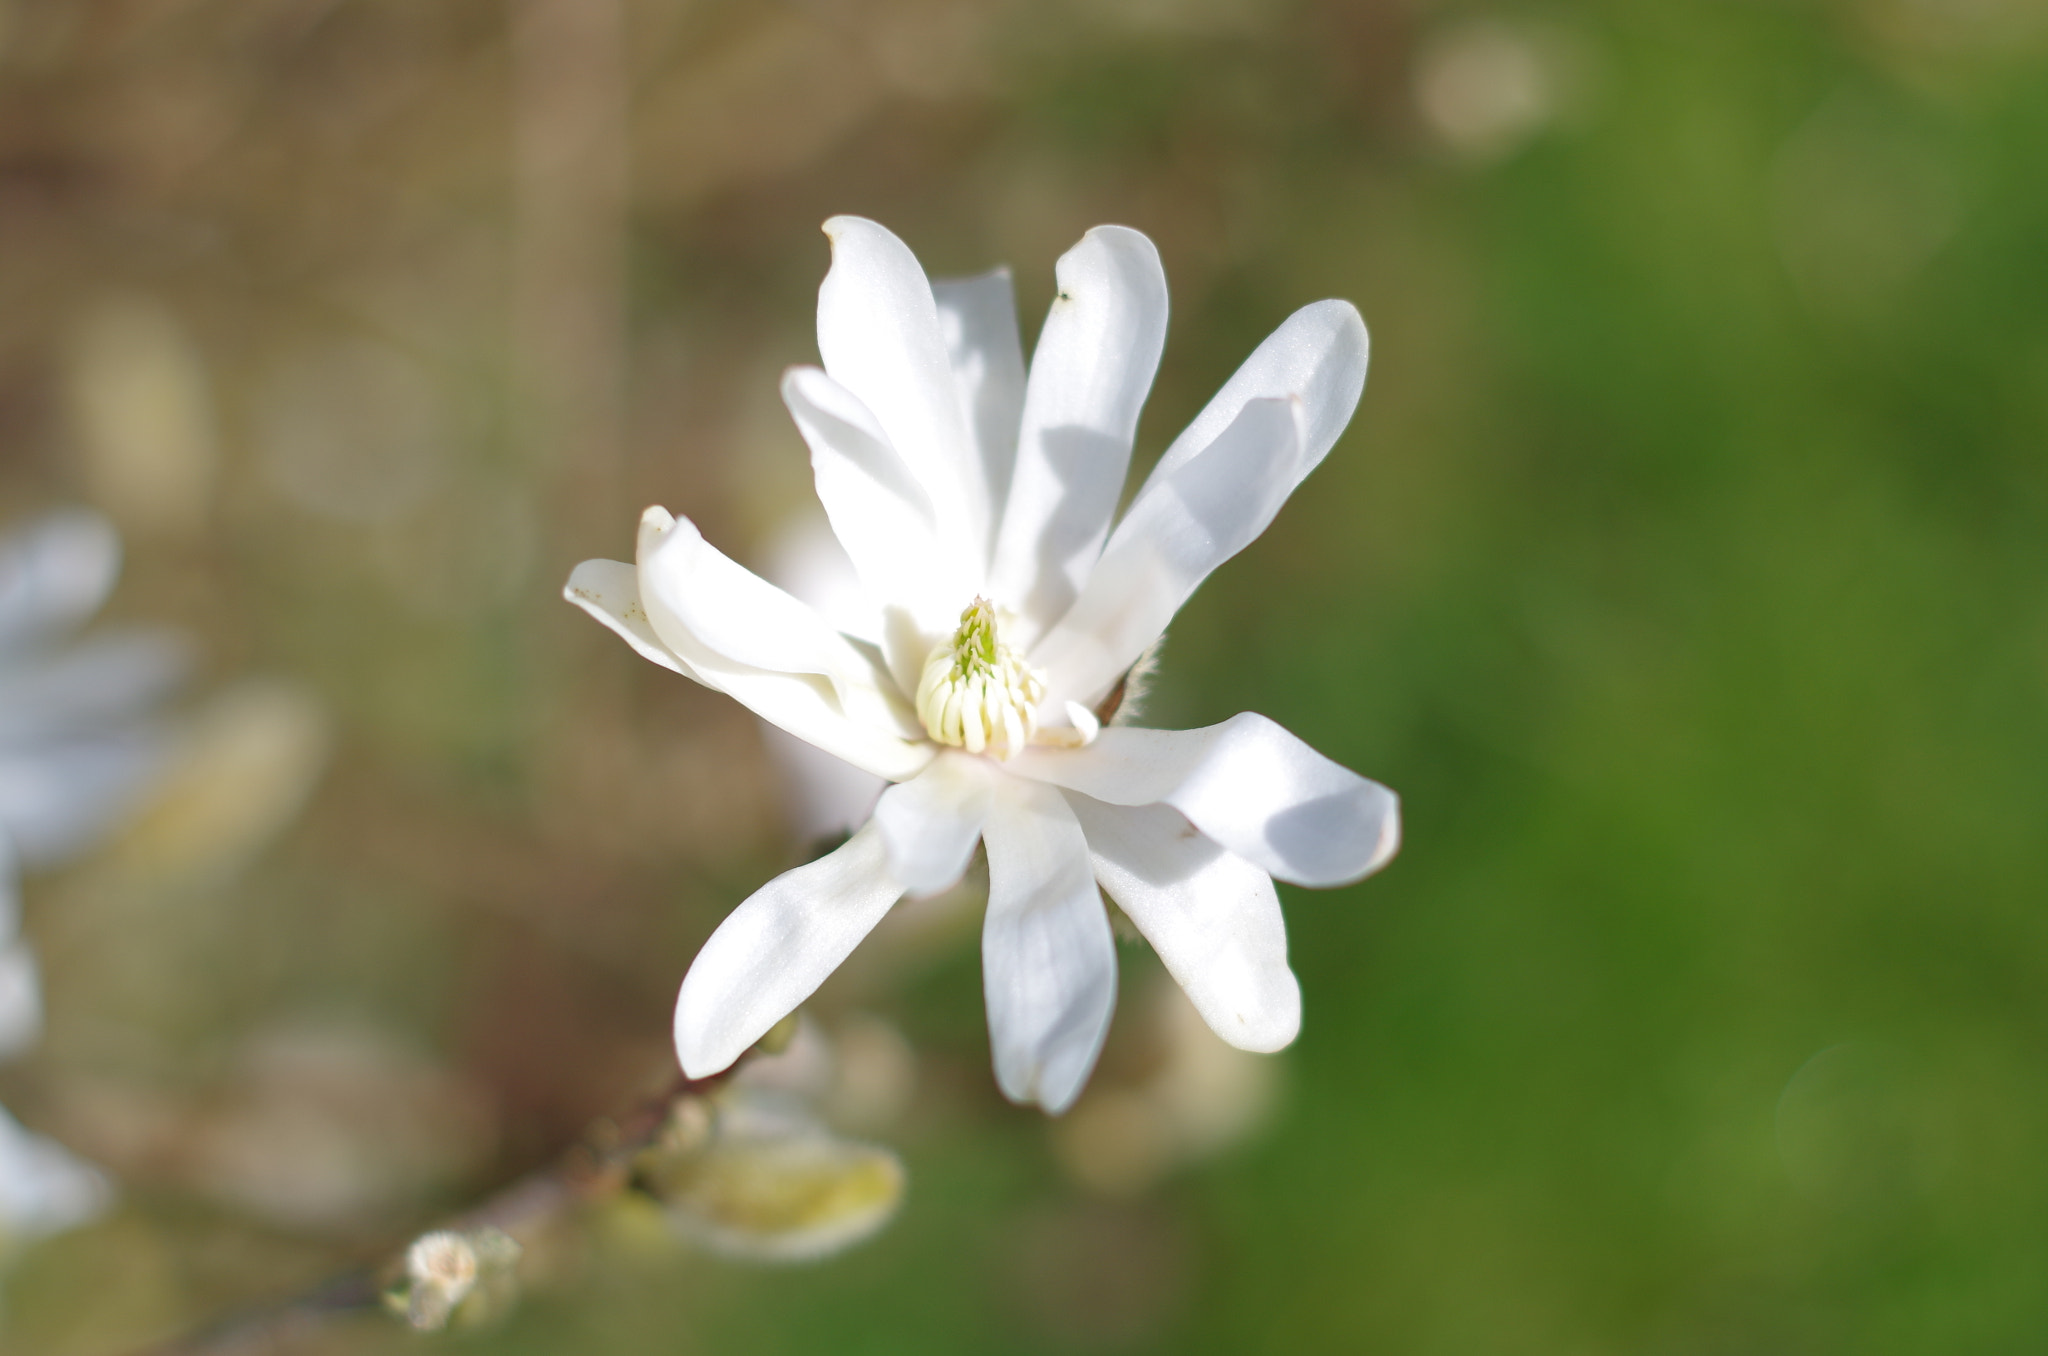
x=752, y=1170
x=1485, y=87
x=1002, y=617
x=77, y=748
x=44, y=1189
x=1194, y=1097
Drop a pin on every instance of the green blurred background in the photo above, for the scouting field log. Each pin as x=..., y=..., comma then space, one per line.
x=1684, y=569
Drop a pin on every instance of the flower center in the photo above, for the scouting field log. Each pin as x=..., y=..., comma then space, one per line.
x=976, y=693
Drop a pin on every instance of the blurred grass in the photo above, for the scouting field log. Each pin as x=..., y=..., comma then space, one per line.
x=1684, y=569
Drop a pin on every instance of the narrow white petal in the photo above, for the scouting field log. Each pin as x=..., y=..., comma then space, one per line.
x=745, y=637
x=55, y=572
x=931, y=823
x=1211, y=915
x=609, y=590
x=978, y=320
x=730, y=609
x=879, y=334
x=878, y=510
x=1047, y=960
x=1318, y=356
x=1178, y=530
x=1246, y=783
x=775, y=949
x=655, y=523
x=1094, y=365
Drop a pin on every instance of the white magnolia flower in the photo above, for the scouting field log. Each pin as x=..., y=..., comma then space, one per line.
x=1003, y=614
x=76, y=750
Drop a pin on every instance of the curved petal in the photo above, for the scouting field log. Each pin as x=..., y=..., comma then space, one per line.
x=609, y=590
x=745, y=637
x=1047, y=961
x=879, y=334
x=931, y=823
x=978, y=320
x=1094, y=365
x=1318, y=356
x=1246, y=783
x=776, y=948
x=879, y=511
x=55, y=571
x=1212, y=916
x=1177, y=531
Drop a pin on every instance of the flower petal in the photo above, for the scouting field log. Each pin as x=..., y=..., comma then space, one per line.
x=1178, y=530
x=879, y=334
x=56, y=798
x=1212, y=916
x=1047, y=961
x=55, y=572
x=108, y=678
x=1246, y=783
x=1318, y=356
x=609, y=590
x=44, y=1188
x=822, y=796
x=1094, y=365
x=978, y=319
x=776, y=948
x=743, y=636
x=931, y=823
x=879, y=511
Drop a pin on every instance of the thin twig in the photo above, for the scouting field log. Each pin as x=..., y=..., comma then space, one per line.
x=597, y=1165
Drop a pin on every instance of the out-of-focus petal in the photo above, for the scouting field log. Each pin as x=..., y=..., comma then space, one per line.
x=609, y=590
x=1211, y=915
x=1047, y=960
x=1246, y=783
x=55, y=572
x=807, y=559
x=1317, y=356
x=21, y=1000
x=57, y=797
x=776, y=948
x=978, y=320
x=823, y=796
x=879, y=334
x=1178, y=530
x=932, y=822
x=108, y=678
x=1094, y=365
x=878, y=510
x=44, y=1188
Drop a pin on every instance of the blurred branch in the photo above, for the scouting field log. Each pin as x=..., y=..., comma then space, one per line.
x=598, y=1165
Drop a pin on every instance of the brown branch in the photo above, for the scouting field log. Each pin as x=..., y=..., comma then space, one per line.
x=597, y=1165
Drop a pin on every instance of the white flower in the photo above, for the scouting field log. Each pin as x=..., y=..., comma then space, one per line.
x=1003, y=614
x=76, y=750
